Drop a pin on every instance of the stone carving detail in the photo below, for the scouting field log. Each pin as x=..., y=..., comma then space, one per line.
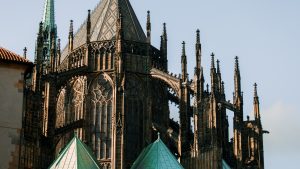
x=105, y=165
x=77, y=96
x=69, y=105
x=76, y=101
x=77, y=58
x=101, y=108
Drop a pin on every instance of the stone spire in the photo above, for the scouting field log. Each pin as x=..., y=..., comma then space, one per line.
x=165, y=37
x=48, y=18
x=218, y=67
x=237, y=80
x=198, y=76
x=212, y=65
x=183, y=63
x=198, y=52
x=58, y=53
x=88, y=27
x=164, y=46
x=71, y=37
x=25, y=52
x=148, y=27
x=49, y=31
x=256, y=104
x=219, y=77
x=213, y=74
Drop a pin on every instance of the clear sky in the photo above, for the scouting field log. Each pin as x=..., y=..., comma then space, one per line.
x=264, y=34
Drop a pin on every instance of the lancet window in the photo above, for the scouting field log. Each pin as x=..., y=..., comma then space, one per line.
x=101, y=104
x=61, y=109
x=76, y=101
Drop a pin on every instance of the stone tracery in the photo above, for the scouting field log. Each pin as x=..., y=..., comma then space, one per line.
x=101, y=108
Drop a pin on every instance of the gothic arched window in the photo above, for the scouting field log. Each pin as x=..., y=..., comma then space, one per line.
x=101, y=104
x=76, y=101
x=60, y=109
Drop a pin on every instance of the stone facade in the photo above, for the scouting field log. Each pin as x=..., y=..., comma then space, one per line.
x=112, y=87
x=13, y=70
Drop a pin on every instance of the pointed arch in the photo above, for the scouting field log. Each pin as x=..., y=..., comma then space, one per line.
x=61, y=108
x=101, y=92
x=77, y=97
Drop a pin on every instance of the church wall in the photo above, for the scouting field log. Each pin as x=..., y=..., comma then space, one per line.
x=11, y=107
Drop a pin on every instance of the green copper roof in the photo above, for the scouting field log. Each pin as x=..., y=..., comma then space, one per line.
x=156, y=156
x=76, y=155
x=225, y=165
x=48, y=18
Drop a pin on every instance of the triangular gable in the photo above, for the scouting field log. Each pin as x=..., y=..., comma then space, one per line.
x=156, y=156
x=104, y=24
x=76, y=155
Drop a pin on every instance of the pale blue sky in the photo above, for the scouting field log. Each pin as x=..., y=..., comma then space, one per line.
x=264, y=34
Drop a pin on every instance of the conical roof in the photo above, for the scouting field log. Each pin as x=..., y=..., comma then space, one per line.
x=104, y=23
x=156, y=156
x=48, y=18
x=76, y=155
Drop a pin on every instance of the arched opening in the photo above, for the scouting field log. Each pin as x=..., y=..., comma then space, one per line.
x=101, y=117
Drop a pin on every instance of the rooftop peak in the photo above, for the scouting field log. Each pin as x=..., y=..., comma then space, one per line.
x=104, y=20
x=48, y=17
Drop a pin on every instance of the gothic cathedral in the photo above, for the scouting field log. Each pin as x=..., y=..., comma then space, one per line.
x=112, y=88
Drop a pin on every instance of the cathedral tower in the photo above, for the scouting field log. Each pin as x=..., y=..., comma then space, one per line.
x=112, y=87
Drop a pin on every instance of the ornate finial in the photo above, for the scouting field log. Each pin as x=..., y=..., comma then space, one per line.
x=198, y=50
x=165, y=31
x=255, y=90
x=236, y=63
x=148, y=16
x=218, y=66
x=256, y=104
x=89, y=14
x=183, y=48
x=71, y=26
x=71, y=36
x=158, y=136
x=207, y=87
x=25, y=52
x=88, y=27
x=212, y=60
x=148, y=27
x=198, y=36
x=75, y=134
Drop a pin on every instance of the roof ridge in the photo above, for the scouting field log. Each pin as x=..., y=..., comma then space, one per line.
x=75, y=154
x=88, y=150
x=8, y=55
x=156, y=154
